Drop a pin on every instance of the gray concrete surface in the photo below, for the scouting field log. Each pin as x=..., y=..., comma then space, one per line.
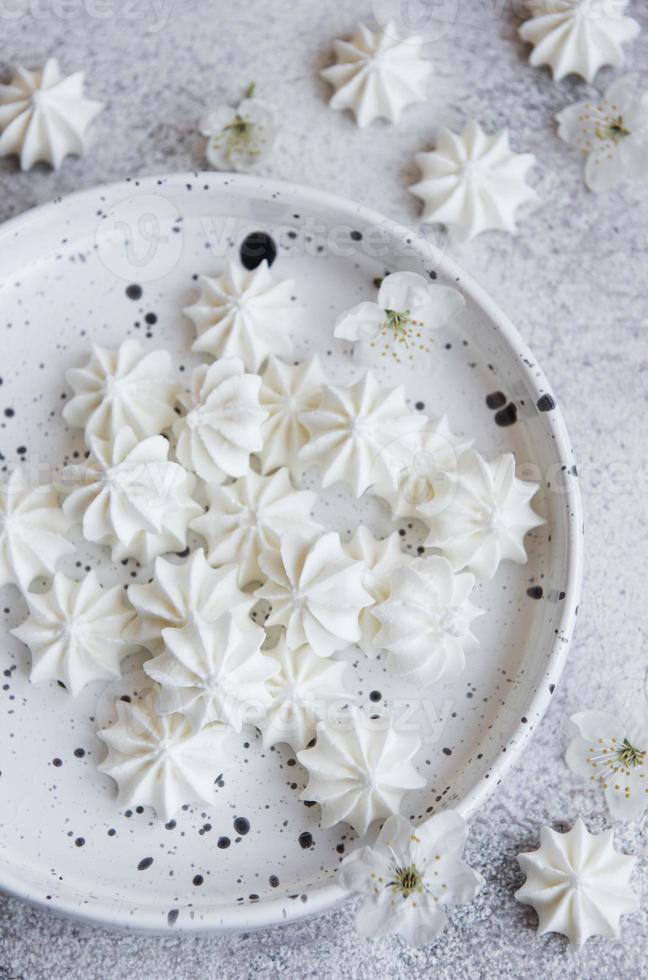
x=574, y=281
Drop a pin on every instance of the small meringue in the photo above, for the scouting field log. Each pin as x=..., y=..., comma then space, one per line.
x=286, y=391
x=75, y=632
x=181, y=592
x=473, y=182
x=351, y=427
x=305, y=690
x=578, y=884
x=213, y=672
x=485, y=520
x=246, y=314
x=33, y=530
x=578, y=36
x=122, y=386
x=249, y=516
x=379, y=559
x=378, y=74
x=222, y=421
x=425, y=621
x=44, y=116
x=360, y=769
x=316, y=592
x=157, y=760
x=127, y=487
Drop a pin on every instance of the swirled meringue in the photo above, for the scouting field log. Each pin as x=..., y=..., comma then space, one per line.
x=316, y=592
x=421, y=468
x=127, y=487
x=351, y=427
x=286, y=391
x=305, y=689
x=407, y=308
x=425, y=621
x=122, y=386
x=179, y=593
x=359, y=769
x=379, y=559
x=249, y=516
x=487, y=517
x=76, y=632
x=578, y=883
x=213, y=672
x=157, y=760
x=33, y=531
x=222, y=421
x=246, y=314
x=473, y=182
x=44, y=116
x=578, y=36
x=377, y=75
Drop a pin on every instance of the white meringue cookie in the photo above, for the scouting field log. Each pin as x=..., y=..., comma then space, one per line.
x=127, y=487
x=578, y=36
x=316, y=592
x=76, y=632
x=486, y=519
x=379, y=559
x=213, y=672
x=286, y=391
x=377, y=75
x=425, y=621
x=360, y=769
x=222, y=421
x=473, y=182
x=44, y=116
x=407, y=309
x=578, y=883
x=351, y=427
x=179, y=593
x=246, y=314
x=249, y=516
x=305, y=690
x=421, y=468
x=122, y=386
x=33, y=531
x=157, y=760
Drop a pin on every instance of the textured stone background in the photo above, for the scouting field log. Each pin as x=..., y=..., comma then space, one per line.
x=574, y=281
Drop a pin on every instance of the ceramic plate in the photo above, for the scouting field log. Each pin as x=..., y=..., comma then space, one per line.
x=122, y=261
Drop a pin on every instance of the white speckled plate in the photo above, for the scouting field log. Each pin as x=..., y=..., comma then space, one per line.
x=258, y=856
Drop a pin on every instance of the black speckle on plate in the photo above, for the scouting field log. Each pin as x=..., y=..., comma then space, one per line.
x=256, y=247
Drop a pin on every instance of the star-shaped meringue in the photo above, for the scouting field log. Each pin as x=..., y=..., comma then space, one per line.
x=578, y=883
x=287, y=390
x=44, y=116
x=378, y=74
x=122, y=386
x=473, y=182
x=359, y=769
x=249, y=516
x=76, y=632
x=33, y=530
x=350, y=428
x=579, y=36
x=159, y=761
x=244, y=313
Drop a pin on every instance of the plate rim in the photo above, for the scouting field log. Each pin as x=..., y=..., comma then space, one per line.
x=276, y=912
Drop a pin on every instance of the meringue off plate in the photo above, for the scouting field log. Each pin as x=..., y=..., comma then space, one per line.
x=122, y=261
